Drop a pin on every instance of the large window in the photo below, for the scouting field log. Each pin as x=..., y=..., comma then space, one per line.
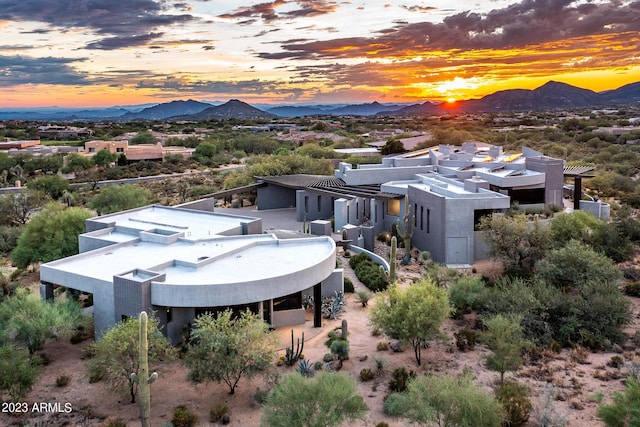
x=289, y=302
x=393, y=207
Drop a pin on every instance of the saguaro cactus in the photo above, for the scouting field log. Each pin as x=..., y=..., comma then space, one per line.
x=143, y=379
x=405, y=231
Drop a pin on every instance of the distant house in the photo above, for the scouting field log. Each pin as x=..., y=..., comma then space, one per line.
x=18, y=145
x=182, y=261
x=449, y=188
x=136, y=152
x=63, y=132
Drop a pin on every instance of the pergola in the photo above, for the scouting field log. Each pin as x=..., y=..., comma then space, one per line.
x=577, y=173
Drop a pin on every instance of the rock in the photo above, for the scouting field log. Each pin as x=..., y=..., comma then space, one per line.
x=396, y=347
x=226, y=419
x=617, y=348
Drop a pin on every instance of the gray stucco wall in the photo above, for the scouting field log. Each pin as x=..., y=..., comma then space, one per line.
x=275, y=197
x=312, y=205
x=199, y=205
x=554, y=177
x=430, y=219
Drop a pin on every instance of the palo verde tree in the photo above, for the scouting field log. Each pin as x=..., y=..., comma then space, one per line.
x=51, y=234
x=116, y=355
x=516, y=242
x=116, y=198
x=52, y=185
x=504, y=338
x=17, y=208
x=104, y=158
x=224, y=348
x=325, y=400
x=624, y=410
x=414, y=314
x=18, y=372
x=26, y=320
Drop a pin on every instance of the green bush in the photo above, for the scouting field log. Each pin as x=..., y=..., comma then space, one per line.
x=63, y=380
x=182, y=417
x=367, y=374
x=368, y=272
x=466, y=339
x=623, y=411
x=395, y=404
x=517, y=406
x=260, y=396
x=348, y=286
x=400, y=379
x=467, y=294
x=8, y=239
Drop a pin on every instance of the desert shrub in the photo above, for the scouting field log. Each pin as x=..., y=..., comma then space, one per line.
x=182, y=417
x=216, y=413
x=632, y=289
x=517, y=406
x=340, y=349
x=623, y=411
x=260, y=396
x=364, y=297
x=395, y=404
x=382, y=346
x=400, y=379
x=376, y=332
x=333, y=335
x=18, y=373
x=96, y=374
x=367, y=374
x=348, y=286
x=546, y=413
x=328, y=357
x=63, y=380
x=8, y=239
x=616, y=362
x=382, y=424
x=574, y=264
x=466, y=339
x=381, y=364
x=368, y=272
x=467, y=294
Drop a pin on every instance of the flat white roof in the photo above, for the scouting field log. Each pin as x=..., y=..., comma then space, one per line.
x=215, y=260
x=195, y=224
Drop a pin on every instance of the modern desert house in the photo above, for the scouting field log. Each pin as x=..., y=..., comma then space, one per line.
x=181, y=261
x=449, y=188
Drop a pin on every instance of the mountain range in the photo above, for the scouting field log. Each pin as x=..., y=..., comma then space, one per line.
x=552, y=95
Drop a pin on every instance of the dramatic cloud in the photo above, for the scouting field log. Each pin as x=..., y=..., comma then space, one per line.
x=128, y=23
x=420, y=9
x=267, y=11
x=255, y=86
x=19, y=70
x=519, y=25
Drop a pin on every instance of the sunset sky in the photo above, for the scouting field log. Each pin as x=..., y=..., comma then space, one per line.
x=122, y=52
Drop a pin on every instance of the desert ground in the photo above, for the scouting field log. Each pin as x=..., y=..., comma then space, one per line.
x=581, y=381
